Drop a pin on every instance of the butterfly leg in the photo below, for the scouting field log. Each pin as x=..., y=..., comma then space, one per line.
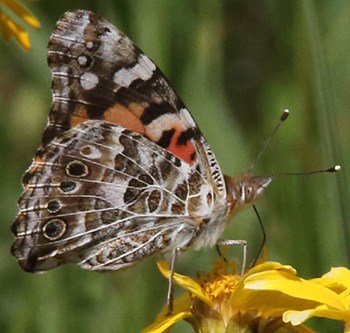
x=219, y=252
x=230, y=242
x=170, y=295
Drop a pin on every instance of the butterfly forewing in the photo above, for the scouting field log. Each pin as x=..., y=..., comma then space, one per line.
x=98, y=73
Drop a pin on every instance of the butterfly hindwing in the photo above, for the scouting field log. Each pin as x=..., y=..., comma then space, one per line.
x=106, y=197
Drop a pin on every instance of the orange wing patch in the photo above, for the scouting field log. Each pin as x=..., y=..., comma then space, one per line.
x=185, y=152
x=127, y=117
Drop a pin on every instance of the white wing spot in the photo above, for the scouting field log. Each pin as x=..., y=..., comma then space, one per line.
x=185, y=114
x=168, y=121
x=88, y=80
x=89, y=45
x=142, y=70
x=82, y=60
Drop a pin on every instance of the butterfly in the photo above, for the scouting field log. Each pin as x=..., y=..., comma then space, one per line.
x=123, y=172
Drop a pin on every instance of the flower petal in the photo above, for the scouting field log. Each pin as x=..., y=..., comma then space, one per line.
x=184, y=281
x=271, y=266
x=339, y=274
x=163, y=323
x=10, y=29
x=181, y=304
x=330, y=284
x=298, y=317
x=294, y=287
x=22, y=12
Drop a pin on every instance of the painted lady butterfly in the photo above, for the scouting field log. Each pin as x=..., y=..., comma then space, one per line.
x=123, y=171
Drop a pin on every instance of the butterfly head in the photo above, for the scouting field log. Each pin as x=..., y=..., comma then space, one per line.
x=244, y=190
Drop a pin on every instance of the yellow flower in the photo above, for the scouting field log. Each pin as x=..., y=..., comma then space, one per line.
x=9, y=28
x=223, y=301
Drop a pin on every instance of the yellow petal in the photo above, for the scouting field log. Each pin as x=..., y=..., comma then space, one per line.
x=268, y=303
x=298, y=317
x=22, y=12
x=271, y=266
x=184, y=281
x=164, y=323
x=330, y=284
x=182, y=309
x=181, y=304
x=244, y=299
x=294, y=287
x=12, y=29
x=339, y=274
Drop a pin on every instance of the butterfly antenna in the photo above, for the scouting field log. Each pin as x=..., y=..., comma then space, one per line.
x=283, y=117
x=335, y=168
x=264, y=236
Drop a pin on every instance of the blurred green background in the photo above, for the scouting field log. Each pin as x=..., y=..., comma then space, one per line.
x=237, y=65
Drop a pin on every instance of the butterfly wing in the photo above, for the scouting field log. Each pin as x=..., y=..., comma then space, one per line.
x=100, y=77
x=106, y=197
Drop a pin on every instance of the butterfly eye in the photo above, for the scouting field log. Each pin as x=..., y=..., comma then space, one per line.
x=77, y=169
x=249, y=193
x=54, y=229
